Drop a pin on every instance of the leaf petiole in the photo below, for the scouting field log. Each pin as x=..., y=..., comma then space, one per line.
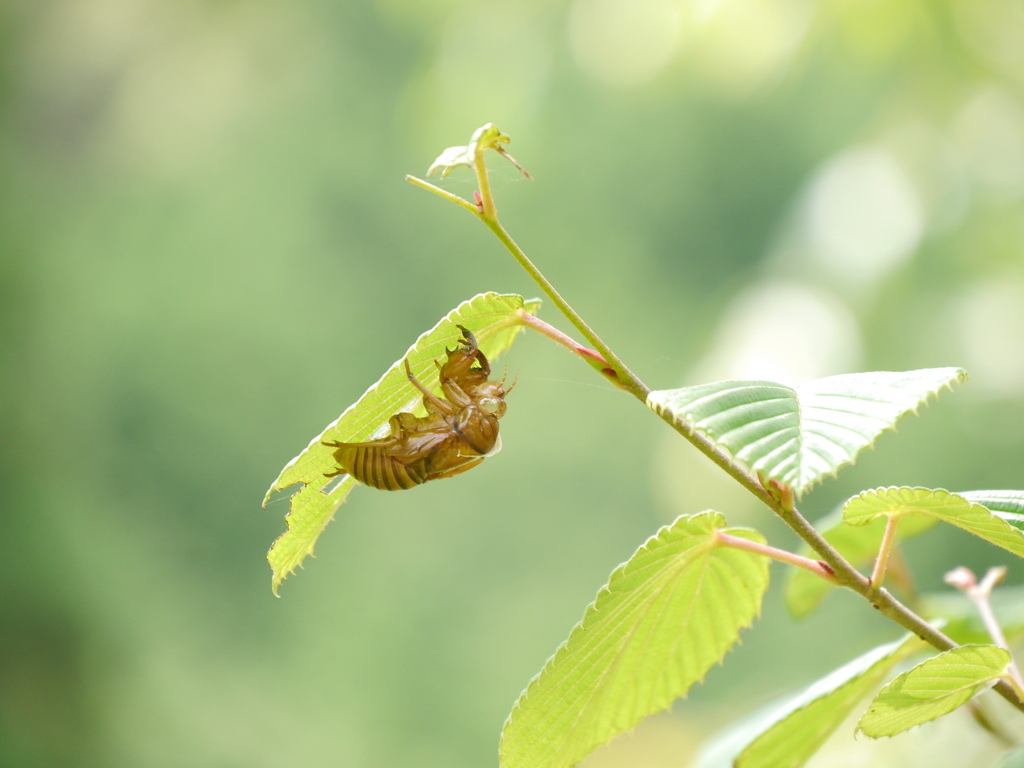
x=878, y=575
x=816, y=567
x=592, y=357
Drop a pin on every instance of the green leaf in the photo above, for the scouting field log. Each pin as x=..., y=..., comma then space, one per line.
x=964, y=625
x=787, y=732
x=942, y=505
x=797, y=436
x=662, y=621
x=858, y=544
x=485, y=137
x=934, y=688
x=495, y=321
x=451, y=159
x=1008, y=505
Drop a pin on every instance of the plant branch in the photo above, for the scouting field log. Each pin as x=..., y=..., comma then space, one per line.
x=843, y=572
x=443, y=193
x=629, y=380
x=490, y=211
x=487, y=213
x=814, y=566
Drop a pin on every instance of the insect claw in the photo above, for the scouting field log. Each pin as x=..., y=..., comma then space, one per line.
x=470, y=339
x=459, y=430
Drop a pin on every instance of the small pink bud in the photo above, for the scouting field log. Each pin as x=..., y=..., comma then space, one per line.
x=962, y=578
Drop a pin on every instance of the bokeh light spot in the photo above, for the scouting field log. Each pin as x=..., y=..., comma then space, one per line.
x=994, y=29
x=738, y=44
x=784, y=332
x=864, y=216
x=989, y=131
x=491, y=66
x=623, y=43
x=990, y=321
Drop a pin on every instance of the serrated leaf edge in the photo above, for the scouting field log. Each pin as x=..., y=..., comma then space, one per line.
x=832, y=683
x=1011, y=530
x=530, y=306
x=545, y=671
x=688, y=426
x=980, y=687
x=342, y=489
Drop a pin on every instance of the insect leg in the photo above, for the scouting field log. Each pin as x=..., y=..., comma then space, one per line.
x=485, y=367
x=455, y=394
x=455, y=470
x=440, y=404
x=473, y=351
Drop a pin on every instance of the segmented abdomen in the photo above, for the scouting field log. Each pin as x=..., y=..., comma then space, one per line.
x=371, y=465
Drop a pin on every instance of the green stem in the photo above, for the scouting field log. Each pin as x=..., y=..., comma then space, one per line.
x=490, y=211
x=443, y=193
x=1014, y=681
x=629, y=381
x=842, y=571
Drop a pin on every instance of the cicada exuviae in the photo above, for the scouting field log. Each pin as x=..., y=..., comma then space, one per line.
x=459, y=431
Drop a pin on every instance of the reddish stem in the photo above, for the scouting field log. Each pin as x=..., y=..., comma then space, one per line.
x=814, y=566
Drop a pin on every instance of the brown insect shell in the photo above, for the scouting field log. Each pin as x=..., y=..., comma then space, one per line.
x=477, y=421
x=459, y=365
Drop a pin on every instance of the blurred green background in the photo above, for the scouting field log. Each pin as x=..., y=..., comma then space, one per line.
x=197, y=197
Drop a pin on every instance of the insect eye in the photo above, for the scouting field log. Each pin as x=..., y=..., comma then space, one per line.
x=489, y=405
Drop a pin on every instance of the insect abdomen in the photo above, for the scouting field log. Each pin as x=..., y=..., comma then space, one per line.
x=372, y=466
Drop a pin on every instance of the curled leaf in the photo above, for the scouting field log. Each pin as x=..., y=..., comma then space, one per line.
x=485, y=137
x=494, y=319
